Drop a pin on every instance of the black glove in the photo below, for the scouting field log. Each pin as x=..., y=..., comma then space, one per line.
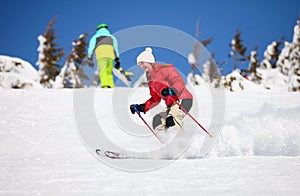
x=170, y=122
x=117, y=63
x=170, y=95
x=168, y=91
x=138, y=107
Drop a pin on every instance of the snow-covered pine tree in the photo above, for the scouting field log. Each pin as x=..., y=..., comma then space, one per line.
x=72, y=72
x=219, y=75
x=271, y=54
x=239, y=55
x=210, y=69
x=194, y=56
x=289, y=60
x=81, y=63
x=66, y=75
x=254, y=76
x=238, y=50
x=49, y=56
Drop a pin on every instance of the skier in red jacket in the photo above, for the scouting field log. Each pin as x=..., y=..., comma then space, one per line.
x=165, y=83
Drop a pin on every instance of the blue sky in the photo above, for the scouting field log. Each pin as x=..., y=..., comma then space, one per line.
x=260, y=21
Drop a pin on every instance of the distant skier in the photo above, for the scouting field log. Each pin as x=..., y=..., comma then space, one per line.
x=164, y=83
x=244, y=74
x=105, y=47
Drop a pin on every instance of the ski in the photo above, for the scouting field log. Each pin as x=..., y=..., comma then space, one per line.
x=121, y=77
x=115, y=155
x=108, y=154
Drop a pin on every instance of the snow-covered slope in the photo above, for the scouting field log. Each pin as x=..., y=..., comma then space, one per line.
x=17, y=73
x=42, y=152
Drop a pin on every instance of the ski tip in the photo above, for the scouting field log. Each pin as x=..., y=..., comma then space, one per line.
x=111, y=154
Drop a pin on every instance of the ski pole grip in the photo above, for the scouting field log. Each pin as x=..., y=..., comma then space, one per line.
x=135, y=106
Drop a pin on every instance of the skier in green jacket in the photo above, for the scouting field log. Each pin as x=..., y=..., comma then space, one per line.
x=105, y=47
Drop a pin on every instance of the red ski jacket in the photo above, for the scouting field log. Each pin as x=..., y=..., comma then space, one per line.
x=165, y=76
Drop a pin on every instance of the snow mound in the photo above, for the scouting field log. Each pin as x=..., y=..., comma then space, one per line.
x=17, y=73
x=273, y=80
x=240, y=83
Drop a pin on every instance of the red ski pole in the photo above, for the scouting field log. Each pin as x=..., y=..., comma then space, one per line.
x=183, y=109
x=139, y=114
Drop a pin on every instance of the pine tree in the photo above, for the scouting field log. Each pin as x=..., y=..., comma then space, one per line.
x=66, y=76
x=69, y=76
x=195, y=55
x=49, y=56
x=253, y=65
x=238, y=50
x=210, y=69
x=271, y=54
x=295, y=59
x=289, y=60
x=80, y=61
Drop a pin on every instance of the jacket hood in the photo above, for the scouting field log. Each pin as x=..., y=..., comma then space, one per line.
x=103, y=31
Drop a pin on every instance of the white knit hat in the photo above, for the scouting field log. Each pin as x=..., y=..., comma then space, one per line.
x=146, y=56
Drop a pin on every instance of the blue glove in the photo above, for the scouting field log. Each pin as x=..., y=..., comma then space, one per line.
x=137, y=108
